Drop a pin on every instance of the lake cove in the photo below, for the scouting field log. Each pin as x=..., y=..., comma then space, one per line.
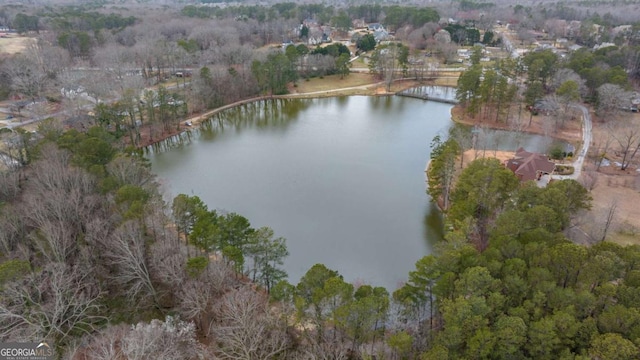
x=342, y=179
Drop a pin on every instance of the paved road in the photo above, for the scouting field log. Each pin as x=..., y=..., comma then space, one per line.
x=586, y=141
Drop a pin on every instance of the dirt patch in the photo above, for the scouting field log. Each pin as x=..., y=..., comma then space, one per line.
x=13, y=44
x=503, y=156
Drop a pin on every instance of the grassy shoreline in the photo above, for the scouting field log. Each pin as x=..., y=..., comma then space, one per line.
x=355, y=84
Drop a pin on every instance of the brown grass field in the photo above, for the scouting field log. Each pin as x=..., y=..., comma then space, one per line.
x=613, y=186
x=13, y=44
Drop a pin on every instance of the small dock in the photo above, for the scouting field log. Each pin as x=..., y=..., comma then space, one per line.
x=431, y=93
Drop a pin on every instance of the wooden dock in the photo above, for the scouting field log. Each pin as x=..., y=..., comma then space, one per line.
x=426, y=97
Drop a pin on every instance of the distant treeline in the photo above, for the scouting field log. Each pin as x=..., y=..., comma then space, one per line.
x=72, y=19
x=395, y=16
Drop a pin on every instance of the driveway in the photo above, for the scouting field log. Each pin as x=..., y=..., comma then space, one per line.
x=586, y=141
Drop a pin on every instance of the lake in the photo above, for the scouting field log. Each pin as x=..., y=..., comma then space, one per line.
x=342, y=179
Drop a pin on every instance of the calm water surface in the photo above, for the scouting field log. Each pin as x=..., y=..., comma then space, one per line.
x=342, y=179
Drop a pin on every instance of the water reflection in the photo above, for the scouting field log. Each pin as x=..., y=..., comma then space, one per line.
x=433, y=225
x=383, y=104
x=431, y=91
x=272, y=115
x=487, y=140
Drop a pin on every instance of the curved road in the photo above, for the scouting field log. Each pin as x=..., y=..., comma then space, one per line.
x=586, y=141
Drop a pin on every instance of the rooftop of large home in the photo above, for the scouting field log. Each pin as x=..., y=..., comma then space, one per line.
x=529, y=166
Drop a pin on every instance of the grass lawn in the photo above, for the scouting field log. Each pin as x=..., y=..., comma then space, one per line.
x=332, y=82
x=14, y=44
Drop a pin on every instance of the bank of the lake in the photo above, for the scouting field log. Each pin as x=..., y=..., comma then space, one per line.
x=570, y=133
x=370, y=87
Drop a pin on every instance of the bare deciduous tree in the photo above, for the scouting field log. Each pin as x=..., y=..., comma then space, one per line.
x=9, y=185
x=11, y=229
x=611, y=100
x=167, y=262
x=126, y=251
x=628, y=139
x=589, y=179
x=58, y=203
x=106, y=344
x=166, y=340
x=52, y=304
x=248, y=329
x=27, y=76
x=324, y=347
x=563, y=75
x=611, y=211
x=602, y=147
x=171, y=339
x=129, y=170
x=198, y=296
x=55, y=240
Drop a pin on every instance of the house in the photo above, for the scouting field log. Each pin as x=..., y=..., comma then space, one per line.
x=375, y=27
x=633, y=104
x=561, y=43
x=464, y=53
x=381, y=35
x=529, y=166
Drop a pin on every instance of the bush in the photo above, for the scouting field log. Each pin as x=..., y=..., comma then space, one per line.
x=564, y=170
x=556, y=153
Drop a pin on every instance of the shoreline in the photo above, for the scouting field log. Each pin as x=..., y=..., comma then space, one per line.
x=558, y=135
x=456, y=113
x=372, y=89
